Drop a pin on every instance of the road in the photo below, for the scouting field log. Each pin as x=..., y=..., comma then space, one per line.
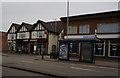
x=15, y=72
x=57, y=68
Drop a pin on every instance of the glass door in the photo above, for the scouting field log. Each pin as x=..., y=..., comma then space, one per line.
x=74, y=51
x=86, y=51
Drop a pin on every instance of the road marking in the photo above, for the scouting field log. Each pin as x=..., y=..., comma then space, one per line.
x=27, y=61
x=100, y=67
x=81, y=69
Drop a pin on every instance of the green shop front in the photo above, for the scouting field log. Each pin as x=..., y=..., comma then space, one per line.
x=77, y=50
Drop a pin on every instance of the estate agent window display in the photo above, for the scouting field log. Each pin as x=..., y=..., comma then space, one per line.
x=114, y=48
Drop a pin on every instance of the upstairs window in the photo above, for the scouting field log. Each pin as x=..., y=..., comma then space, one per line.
x=83, y=29
x=11, y=36
x=40, y=34
x=21, y=35
x=108, y=28
x=72, y=30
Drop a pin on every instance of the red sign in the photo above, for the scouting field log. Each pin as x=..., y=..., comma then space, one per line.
x=46, y=32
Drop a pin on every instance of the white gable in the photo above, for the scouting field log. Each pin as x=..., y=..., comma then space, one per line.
x=12, y=30
x=23, y=28
x=39, y=27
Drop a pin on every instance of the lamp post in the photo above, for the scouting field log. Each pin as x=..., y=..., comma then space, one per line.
x=42, y=49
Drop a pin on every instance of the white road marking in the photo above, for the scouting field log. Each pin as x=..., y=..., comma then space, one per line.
x=81, y=69
x=27, y=61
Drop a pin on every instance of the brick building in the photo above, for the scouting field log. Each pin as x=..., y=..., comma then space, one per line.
x=40, y=37
x=82, y=27
x=3, y=42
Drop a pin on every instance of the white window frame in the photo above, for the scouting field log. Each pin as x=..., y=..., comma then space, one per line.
x=109, y=50
x=69, y=29
x=103, y=50
x=88, y=30
x=100, y=30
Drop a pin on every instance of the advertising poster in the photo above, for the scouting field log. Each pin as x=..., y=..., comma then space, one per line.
x=63, y=53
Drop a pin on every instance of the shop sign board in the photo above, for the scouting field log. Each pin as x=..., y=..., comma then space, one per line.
x=63, y=52
x=33, y=40
x=25, y=40
x=88, y=36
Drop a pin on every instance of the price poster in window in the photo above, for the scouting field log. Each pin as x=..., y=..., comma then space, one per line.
x=63, y=53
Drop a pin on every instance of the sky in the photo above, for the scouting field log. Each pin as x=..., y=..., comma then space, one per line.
x=30, y=11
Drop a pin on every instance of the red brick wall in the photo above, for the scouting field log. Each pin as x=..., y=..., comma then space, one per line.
x=3, y=42
x=92, y=22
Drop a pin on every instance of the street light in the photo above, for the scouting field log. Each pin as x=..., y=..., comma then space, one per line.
x=42, y=49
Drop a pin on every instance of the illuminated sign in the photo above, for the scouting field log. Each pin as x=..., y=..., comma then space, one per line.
x=63, y=53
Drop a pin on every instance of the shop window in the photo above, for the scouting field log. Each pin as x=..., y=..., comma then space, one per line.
x=108, y=28
x=11, y=47
x=84, y=29
x=99, y=49
x=114, y=48
x=72, y=30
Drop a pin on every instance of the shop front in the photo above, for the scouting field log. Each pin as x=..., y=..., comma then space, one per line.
x=77, y=50
x=38, y=46
x=22, y=46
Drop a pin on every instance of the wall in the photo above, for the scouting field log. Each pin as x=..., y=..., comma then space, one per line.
x=92, y=22
x=3, y=42
x=52, y=39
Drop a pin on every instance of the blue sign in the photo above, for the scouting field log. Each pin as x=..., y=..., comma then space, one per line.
x=88, y=36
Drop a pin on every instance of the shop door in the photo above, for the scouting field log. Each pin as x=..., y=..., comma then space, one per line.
x=74, y=52
x=87, y=49
x=32, y=49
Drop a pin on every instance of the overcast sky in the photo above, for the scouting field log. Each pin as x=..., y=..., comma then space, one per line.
x=30, y=12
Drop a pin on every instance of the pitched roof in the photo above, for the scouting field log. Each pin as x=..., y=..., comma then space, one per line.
x=35, y=24
x=28, y=26
x=17, y=26
x=94, y=15
x=54, y=27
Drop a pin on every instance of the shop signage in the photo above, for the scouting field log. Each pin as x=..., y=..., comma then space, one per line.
x=33, y=40
x=63, y=53
x=88, y=36
x=42, y=40
x=46, y=32
x=25, y=40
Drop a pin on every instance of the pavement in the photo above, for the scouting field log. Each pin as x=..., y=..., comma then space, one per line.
x=98, y=62
x=102, y=63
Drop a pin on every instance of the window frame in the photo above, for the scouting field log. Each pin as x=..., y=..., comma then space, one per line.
x=103, y=50
x=108, y=32
x=86, y=26
x=69, y=29
x=109, y=49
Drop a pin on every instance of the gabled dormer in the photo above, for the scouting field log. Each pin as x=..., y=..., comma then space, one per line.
x=13, y=28
x=24, y=31
x=12, y=31
x=38, y=31
x=38, y=27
